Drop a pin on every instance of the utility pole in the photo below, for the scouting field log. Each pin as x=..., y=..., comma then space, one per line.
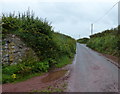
x=91, y=29
x=119, y=13
x=79, y=36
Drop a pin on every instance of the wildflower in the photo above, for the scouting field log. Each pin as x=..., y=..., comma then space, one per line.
x=14, y=76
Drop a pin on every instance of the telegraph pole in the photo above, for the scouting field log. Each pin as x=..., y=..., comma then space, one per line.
x=79, y=36
x=91, y=29
x=119, y=13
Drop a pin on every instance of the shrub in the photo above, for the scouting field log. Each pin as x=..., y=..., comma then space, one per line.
x=83, y=40
x=105, y=42
x=38, y=35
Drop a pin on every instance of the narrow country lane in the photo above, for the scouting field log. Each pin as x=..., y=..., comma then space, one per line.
x=92, y=72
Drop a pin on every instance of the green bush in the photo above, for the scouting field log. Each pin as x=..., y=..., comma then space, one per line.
x=83, y=40
x=41, y=66
x=105, y=42
x=64, y=60
x=38, y=35
x=10, y=69
x=7, y=78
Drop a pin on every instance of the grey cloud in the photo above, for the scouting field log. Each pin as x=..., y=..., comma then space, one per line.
x=73, y=19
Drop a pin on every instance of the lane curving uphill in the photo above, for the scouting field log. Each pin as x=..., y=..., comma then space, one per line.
x=92, y=72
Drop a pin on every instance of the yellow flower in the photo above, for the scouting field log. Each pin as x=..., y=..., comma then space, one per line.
x=14, y=76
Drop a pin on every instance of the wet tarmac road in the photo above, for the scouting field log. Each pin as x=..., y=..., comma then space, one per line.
x=92, y=72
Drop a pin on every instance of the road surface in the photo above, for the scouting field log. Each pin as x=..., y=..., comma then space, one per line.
x=92, y=72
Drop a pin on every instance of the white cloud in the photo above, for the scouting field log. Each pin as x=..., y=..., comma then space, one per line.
x=8, y=1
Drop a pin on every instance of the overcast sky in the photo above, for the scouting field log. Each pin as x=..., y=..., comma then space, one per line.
x=70, y=17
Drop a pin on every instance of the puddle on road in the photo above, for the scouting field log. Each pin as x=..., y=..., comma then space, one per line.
x=54, y=76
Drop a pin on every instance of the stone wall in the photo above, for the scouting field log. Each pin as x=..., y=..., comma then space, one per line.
x=13, y=50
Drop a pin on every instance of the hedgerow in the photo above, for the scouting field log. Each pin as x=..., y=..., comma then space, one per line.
x=39, y=35
x=106, y=42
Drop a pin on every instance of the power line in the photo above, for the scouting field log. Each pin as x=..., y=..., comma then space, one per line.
x=106, y=12
x=102, y=16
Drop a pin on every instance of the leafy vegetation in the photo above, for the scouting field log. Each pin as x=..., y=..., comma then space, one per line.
x=106, y=42
x=83, y=40
x=50, y=47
